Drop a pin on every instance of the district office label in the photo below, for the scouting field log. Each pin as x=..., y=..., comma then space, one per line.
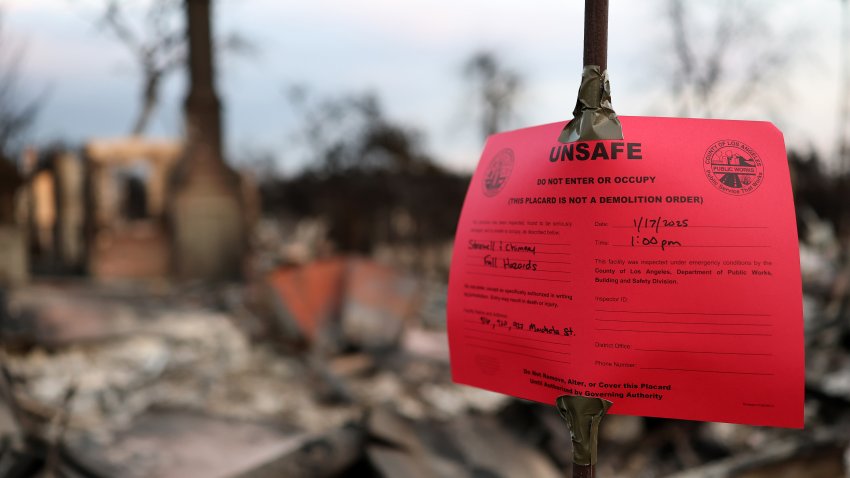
x=660, y=272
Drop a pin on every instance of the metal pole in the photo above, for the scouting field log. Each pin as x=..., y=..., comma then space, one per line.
x=583, y=414
x=596, y=33
x=844, y=94
x=594, y=117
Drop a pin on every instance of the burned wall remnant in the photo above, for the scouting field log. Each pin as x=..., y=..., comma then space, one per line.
x=13, y=257
x=50, y=208
x=106, y=211
x=127, y=189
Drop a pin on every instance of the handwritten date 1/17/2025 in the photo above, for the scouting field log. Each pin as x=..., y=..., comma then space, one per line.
x=656, y=223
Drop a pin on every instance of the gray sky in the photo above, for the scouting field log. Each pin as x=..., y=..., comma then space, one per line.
x=409, y=53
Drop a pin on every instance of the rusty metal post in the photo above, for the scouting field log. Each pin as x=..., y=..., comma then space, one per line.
x=594, y=117
x=596, y=33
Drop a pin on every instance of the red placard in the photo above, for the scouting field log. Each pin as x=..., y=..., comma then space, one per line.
x=660, y=272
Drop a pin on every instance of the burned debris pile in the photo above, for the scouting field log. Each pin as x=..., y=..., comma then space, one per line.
x=334, y=367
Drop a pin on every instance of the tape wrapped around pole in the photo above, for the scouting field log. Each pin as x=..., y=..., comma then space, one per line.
x=593, y=117
x=583, y=415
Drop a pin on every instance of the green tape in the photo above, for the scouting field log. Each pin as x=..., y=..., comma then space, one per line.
x=583, y=415
x=593, y=117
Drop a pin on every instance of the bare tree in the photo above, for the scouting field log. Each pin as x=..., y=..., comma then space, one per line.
x=367, y=175
x=157, y=41
x=496, y=87
x=159, y=48
x=351, y=132
x=16, y=114
x=722, y=55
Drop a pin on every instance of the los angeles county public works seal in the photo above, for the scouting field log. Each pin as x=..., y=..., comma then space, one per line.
x=498, y=172
x=733, y=167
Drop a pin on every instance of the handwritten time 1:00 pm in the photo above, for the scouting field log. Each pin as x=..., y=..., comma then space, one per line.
x=652, y=241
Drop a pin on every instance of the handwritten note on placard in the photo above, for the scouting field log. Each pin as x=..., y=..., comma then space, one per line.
x=660, y=272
